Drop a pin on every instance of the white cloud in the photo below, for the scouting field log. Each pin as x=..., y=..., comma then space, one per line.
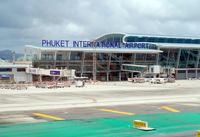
x=31, y=21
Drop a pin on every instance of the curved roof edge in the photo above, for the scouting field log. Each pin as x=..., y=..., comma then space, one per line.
x=146, y=35
x=110, y=34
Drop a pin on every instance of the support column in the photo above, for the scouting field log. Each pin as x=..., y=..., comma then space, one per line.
x=55, y=55
x=134, y=59
x=69, y=55
x=55, y=58
x=178, y=58
x=197, y=63
x=94, y=66
x=186, y=73
x=82, y=63
x=176, y=74
x=108, y=66
x=120, y=76
x=198, y=57
x=168, y=53
x=65, y=59
x=196, y=73
x=145, y=58
x=131, y=74
x=40, y=78
x=188, y=56
x=121, y=62
x=158, y=56
x=68, y=59
x=39, y=54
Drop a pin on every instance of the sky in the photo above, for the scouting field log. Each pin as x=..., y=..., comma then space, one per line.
x=27, y=22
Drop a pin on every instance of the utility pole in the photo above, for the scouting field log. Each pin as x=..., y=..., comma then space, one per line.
x=13, y=57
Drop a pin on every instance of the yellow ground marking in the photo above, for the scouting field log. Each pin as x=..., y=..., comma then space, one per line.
x=48, y=116
x=118, y=112
x=170, y=109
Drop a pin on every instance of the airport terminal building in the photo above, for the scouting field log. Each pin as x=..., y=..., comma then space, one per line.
x=115, y=57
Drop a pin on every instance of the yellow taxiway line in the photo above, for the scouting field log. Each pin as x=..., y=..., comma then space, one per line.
x=48, y=116
x=116, y=111
x=170, y=109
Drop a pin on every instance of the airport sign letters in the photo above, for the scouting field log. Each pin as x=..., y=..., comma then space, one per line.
x=96, y=44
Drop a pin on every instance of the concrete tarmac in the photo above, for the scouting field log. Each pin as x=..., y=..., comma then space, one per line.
x=103, y=100
x=103, y=94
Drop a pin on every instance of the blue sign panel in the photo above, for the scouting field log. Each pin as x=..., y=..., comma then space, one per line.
x=54, y=72
x=5, y=75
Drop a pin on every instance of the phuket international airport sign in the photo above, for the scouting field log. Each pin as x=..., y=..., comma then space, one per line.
x=94, y=44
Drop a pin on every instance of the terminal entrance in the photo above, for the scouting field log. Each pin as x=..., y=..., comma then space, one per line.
x=125, y=75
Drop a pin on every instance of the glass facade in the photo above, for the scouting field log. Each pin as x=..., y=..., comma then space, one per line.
x=161, y=40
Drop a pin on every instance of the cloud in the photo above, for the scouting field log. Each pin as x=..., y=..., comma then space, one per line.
x=28, y=22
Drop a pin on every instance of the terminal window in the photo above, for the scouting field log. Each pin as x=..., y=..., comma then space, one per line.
x=21, y=69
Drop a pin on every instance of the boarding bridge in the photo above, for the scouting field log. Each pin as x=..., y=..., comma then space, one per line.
x=52, y=72
x=134, y=68
x=149, y=71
